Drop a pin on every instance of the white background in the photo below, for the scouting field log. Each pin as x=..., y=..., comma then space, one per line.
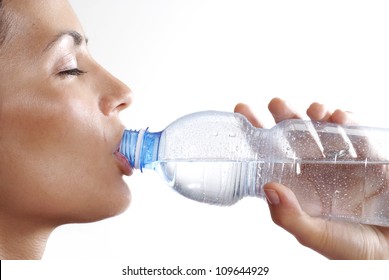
x=183, y=56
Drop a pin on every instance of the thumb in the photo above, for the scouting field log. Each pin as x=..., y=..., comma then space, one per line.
x=286, y=212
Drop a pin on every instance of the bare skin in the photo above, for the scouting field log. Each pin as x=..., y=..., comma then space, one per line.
x=332, y=239
x=59, y=127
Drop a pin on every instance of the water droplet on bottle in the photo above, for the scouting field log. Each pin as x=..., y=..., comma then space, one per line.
x=298, y=168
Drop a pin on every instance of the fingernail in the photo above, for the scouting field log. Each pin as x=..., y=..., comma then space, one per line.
x=272, y=197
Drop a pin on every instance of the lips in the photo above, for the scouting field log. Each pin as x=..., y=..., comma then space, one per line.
x=123, y=163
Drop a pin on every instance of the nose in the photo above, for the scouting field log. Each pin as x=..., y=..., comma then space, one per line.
x=115, y=95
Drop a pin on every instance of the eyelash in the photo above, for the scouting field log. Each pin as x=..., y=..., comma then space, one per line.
x=72, y=72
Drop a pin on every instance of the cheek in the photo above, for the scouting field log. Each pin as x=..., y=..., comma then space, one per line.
x=55, y=160
x=47, y=129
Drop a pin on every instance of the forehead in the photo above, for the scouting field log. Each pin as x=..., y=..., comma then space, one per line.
x=34, y=23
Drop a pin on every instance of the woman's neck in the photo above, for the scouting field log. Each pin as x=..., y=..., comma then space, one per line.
x=22, y=240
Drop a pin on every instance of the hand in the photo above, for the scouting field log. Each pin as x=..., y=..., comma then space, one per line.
x=333, y=239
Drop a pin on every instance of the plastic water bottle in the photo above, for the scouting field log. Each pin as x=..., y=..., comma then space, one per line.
x=338, y=172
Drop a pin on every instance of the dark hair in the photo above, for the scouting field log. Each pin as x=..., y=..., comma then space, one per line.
x=4, y=24
x=2, y=31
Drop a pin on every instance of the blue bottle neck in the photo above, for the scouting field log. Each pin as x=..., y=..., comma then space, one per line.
x=140, y=147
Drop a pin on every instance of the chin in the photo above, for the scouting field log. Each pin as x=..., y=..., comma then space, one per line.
x=114, y=207
x=102, y=207
x=105, y=212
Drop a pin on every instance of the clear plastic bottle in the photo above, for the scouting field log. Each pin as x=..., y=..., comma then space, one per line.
x=338, y=172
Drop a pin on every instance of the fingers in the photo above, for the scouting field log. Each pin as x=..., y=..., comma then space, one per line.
x=344, y=117
x=329, y=238
x=248, y=113
x=278, y=108
x=287, y=213
x=285, y=209
x=318, y=112
x=281, y=110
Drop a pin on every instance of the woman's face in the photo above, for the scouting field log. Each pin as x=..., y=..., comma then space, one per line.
x=59, y=124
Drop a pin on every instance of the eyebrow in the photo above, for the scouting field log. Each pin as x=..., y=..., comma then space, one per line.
x=77, y=38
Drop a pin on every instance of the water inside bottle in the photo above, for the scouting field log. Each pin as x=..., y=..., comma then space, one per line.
x=213, y=182
x=343, y=190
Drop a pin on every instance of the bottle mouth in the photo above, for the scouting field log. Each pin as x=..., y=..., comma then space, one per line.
x=131, y=147
x=138, y=149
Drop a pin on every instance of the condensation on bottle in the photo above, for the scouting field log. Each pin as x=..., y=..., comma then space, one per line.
x=336, y=171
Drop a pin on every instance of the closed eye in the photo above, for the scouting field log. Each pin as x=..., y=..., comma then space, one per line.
x=71, y=72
